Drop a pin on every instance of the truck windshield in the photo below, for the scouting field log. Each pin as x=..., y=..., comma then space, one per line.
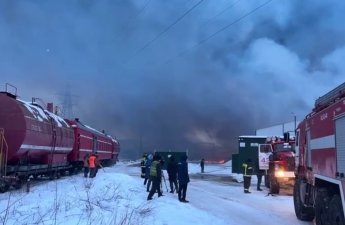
x=284, y=147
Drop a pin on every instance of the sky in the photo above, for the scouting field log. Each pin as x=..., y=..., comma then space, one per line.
x=117, y=196
x=175, y=74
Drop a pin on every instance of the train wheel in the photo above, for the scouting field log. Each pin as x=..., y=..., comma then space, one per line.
x=71, y=171
x=18, y=184
x=4, y=187
x=322, y=207
x=302, y=212
x=336, y=214
x=274, y=186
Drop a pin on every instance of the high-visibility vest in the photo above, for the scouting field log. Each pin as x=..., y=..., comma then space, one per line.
x=153, y=169
x=248, y=169
x=92, y=161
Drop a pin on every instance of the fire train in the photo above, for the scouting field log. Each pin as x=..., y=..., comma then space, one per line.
x=36, y=142
x=320, y=180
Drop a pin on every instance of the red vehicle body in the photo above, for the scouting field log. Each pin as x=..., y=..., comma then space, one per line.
x=281, y=162
x=35, y=141
x=319, y=186
x=89, y=140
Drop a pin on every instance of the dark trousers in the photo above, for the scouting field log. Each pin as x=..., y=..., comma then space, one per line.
x=182, y=191
x=86, y=171
x=93, y=172
x=148, y=184
x=156, y=186
x=246, y=182
x=173, y=182
x=259, y=181
x=202, y=169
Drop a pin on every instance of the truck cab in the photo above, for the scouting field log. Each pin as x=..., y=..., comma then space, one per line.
x=277, y=157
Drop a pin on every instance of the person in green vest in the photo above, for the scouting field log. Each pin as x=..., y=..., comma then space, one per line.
x=155, y=176
x=247, y=175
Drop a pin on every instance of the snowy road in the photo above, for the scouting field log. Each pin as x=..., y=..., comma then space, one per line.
x=232, y=205
x=217, y=195
x=117, y=196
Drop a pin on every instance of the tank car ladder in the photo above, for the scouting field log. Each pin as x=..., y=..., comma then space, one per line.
x=3, y=153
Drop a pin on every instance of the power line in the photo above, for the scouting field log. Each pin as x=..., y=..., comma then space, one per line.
x=143, y=8
x=164, y=31
x=221, y=12
x=123, y=30
x=219, y=31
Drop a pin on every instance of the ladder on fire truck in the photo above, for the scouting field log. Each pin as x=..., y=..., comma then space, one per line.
x=3, y=153
x=332, y=96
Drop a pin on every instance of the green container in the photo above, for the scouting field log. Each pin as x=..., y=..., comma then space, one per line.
x=247, y=149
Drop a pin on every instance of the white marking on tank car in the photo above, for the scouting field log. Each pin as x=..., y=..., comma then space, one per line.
x=98, y=151
x=45, y=148
x=87, y=137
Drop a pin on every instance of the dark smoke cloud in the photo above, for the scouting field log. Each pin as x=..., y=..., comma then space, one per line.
x=253, y=74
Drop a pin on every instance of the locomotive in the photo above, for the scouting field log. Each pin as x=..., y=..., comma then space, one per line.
x=36, y=142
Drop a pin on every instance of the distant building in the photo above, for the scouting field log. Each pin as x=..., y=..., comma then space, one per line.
x=278, y=129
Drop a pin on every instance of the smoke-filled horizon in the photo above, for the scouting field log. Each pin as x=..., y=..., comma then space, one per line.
x=175, y=74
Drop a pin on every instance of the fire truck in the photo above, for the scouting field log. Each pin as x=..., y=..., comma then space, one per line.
x=320, y=145
x=277, y=157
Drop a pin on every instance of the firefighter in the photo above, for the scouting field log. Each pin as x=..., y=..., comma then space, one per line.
x=92, y=165
x=142, y=166
x=247, y=175
x=147, y=180
x=86, y=165
x=155, y=176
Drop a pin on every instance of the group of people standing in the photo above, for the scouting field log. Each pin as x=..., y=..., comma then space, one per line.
x=177, y=172
x=91, y=164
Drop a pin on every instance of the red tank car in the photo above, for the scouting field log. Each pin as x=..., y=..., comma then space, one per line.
x=33, y=135
x=89, y=140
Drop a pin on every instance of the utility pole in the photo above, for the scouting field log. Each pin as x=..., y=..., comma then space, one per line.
x=294, y=117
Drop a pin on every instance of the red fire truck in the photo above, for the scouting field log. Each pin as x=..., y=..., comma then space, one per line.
x=320, y=144
x=277, y=156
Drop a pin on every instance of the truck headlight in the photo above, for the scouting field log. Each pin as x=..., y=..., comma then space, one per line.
x=279, y=173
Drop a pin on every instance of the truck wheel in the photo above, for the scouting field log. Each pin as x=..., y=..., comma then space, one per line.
x=302, y=212
x=336, y=214
x=274, y=186
x=322, y=207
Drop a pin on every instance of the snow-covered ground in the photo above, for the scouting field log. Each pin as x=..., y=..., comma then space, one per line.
x=117, y=196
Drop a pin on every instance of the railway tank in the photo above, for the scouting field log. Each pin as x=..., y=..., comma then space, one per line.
x=34, y=135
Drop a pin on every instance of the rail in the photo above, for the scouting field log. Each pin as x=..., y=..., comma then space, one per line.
x=3, y=153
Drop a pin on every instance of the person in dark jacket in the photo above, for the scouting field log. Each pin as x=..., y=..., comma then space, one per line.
x=155, y=176
x=172, y=173
x=202, y=165
x=247, y=175
x=147, y=180
x=259, y=174
x=183, y=178
x=86, y=165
